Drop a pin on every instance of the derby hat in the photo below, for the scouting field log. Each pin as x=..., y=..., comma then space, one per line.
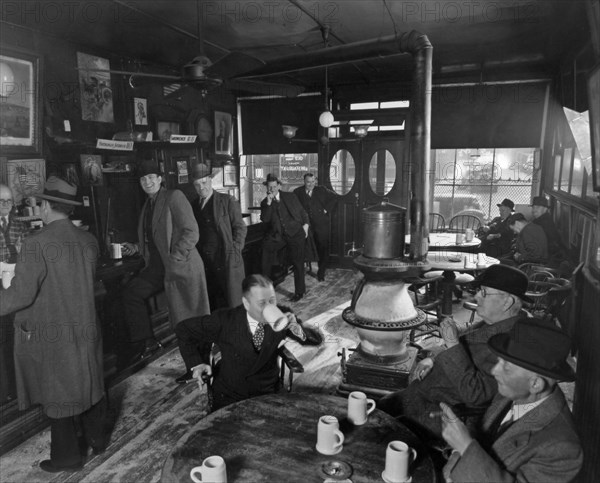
x=201, y=171
x=270, y=178
x=515, y=217
x=540, y=201
x=508, y=203
x=148, y=166
x=505, y=278
x=59, y=191
x=537, y=346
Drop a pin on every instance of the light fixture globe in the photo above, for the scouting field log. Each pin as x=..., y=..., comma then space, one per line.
x=326, y=119
x=289, y=131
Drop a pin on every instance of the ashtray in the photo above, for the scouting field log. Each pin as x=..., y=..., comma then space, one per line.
x=335, y=470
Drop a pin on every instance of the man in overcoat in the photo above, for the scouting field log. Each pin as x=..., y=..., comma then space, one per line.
x=531, y=245
x=248, y=344
x=286, y=225
x=557, y=252
x=58, y=342
x=167, y=234
x=496, y=236
x=527, y=433
x=318, y=202
x=461, y=373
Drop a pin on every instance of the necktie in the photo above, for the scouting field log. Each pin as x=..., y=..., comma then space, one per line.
x=203, y=203
x=309, y=193
x=258, y=337
x=4, y=224
x=505, y=424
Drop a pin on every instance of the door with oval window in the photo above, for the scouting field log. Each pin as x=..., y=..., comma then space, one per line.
x=363, y=173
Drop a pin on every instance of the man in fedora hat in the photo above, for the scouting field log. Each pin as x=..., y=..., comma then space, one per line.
x=527, y=434
x=531, y=245
x=557, y=252
x=496, y=236
x=286, y=227
x=461, y=372
x=167, y=234
x=58, y=341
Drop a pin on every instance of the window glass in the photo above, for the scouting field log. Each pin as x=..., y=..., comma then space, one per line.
x=342, y=172
x=566, y=169
x=382, y=172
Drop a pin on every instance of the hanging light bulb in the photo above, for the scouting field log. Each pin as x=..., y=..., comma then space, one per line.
x=326, y=117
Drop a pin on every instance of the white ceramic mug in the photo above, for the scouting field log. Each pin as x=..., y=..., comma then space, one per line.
x=469, y=235
x=329, y=437
x=398, y=457
x=213, y=469
x=275, y=317
x=460, y=238
x=76, y=222
x=359, y=407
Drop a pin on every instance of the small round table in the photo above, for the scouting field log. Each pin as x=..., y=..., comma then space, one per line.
x=272, y=439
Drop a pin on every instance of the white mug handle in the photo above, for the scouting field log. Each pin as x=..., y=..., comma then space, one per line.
x=414, y=453
x=370, y=406
x=340, y=442
x=196, y=469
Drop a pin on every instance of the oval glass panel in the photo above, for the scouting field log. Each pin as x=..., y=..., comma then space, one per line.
x=382, y=172
x=342, y=172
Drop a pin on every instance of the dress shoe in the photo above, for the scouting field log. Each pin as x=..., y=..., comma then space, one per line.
x=50, y=467
x=185, y=378
x=296, y=297
x=150, y=348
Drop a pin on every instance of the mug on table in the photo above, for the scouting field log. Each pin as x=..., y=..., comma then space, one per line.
x=359, y=407
x=330, y=439
x=398, y=457
x=213, y=469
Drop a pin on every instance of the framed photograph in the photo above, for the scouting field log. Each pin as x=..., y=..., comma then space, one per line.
x=164, y=129
x=91, y=169
x=594, y=105
x=223, y=134
x=20, y=109
x=140, y=111
x=95, y=88
x=229, y=175
x=25, y=177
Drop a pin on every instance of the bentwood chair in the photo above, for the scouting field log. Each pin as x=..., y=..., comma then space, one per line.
x=459, y=223
x=427, y=296
x=437, y=223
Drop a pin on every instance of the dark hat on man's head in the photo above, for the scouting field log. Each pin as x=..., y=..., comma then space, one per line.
x=201, y=171
x=149, y=166
x=505, y=278
x=508, y=203
x=59, y=191
x=540, y=201
x=537, y=346
x=515, y=217
x=270, y=178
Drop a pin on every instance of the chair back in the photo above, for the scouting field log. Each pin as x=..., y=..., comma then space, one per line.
x=437, y=223
x=460, y=223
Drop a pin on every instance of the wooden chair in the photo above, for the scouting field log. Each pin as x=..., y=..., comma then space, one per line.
x=437, y=223
x=530, y=269
x=460, y=223
x=427, y=295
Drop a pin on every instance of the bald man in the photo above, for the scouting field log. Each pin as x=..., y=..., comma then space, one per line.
x=12, y=231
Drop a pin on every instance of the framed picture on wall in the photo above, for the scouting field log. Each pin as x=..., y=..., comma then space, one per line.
x=95, y=88
x=594, y=103
x=20, y=110
x=223, y=134
x=229, y=175
x=91, y=169
x=140, y=111
x=164, y=129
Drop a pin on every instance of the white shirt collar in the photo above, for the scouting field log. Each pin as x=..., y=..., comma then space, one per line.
x=252, y=323
x=517, y=411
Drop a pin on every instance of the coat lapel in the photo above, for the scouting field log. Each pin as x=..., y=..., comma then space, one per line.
x=159, y=206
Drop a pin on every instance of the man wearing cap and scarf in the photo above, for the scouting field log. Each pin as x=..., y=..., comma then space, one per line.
x=167, y=234
x=58, y=341
x=461, y=373
x=542, y=217
x=527, y=434
x=222, y=237
x=496, y=236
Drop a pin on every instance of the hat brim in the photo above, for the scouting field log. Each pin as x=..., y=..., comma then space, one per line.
x=524, y=298
x=59, y=200
x=498, y=344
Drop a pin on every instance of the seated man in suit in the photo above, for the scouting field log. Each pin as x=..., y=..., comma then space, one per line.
x=497, y=237
x=248, y=344
x=557, y=252
x=531, y=245
x=461, y=374
x=527, y=433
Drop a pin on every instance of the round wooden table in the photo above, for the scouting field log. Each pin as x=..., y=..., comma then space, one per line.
x=447, y=241
x=272, y=439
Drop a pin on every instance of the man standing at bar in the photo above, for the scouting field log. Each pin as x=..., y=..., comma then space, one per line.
x=318, y=202
x=58, y=341
x=286, y=227
x=167, y=234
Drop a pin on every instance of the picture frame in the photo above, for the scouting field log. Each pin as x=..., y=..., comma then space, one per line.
x=25, y=177
x=140, y=111
x=164, y=129
x=230, y=175
x=91, y=169
x=20, y=108
x=594, y=102
x=95, y=88
x=223, y=132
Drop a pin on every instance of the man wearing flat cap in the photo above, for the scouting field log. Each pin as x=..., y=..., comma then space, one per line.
x=496, y=236
x=286, y=225
x=527, y=434
x=58, y=340
x=531, y=245
x=167, y=237
x=557, y=252
x=460, y=374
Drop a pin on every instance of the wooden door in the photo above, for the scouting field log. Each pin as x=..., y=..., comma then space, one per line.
x=362, y=173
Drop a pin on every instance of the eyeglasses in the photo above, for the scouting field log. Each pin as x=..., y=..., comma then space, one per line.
x=6, y=202
x=484, y=292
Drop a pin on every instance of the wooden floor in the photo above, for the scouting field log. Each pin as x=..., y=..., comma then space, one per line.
x=149, y=412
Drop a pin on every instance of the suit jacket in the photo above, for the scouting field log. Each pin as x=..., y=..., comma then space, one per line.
x=231, y=231
x=504, y=243
x=556, y=250
x=16, y=229
x=291, y=213
x=175, y=234
x=243, y=372
x=541, y=446
x=318, y=206
x=532, y=244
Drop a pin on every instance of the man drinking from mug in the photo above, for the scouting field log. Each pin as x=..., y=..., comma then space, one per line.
x=248, y=344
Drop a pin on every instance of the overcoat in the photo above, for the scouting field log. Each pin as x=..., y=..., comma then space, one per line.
x=58, y=341
x=175, y=234
x=542, y=446
x=231, y=230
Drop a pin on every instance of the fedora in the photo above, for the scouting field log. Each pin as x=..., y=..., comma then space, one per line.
x=505, y=278
x=535, y=345
x=58, y=190
x=540, y=201
x=148, y=166
x=514, y=218
x=508, y=203
x=201, y=171
x=270, y=178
